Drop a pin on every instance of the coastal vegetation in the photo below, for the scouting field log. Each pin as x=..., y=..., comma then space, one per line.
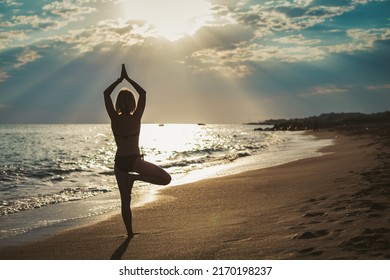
x=376, y=123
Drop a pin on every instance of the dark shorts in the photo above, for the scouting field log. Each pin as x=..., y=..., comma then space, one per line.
x=126, y=163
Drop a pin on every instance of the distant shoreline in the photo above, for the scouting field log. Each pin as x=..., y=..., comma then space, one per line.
x=357, y=122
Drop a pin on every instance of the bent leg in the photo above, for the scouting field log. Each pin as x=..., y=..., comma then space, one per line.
x=151, y=173
x=125, y=185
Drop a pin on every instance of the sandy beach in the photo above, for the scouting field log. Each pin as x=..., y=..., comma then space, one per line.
x=335, y=206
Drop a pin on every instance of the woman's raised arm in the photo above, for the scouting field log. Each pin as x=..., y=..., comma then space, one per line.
x=107, y=97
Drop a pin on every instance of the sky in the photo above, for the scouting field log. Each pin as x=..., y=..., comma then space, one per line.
x=211, y=61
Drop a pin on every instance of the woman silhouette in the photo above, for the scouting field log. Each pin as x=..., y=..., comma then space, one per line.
x=126, y=125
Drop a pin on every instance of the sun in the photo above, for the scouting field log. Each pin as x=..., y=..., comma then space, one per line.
x=172, y=19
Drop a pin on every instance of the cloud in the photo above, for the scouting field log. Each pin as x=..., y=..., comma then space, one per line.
x=237, y=37
x=277, y=16
x=297, y=40
x=378, y=87
x=105, y=33
x=265, y=21
x=3, y=76
x=11, y=3
x=324, y=91
x=369, y=35
x=360, y=40
x=26, y=56
x=278, y=29
x=11, y=37
x=52, y=16
x=228, y=62
x=35, y=22
x=66, y=9
x=243, y=55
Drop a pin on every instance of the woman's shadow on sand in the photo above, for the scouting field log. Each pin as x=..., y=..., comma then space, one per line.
x=117, y=255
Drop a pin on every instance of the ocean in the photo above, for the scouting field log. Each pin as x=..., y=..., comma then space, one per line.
x=54, y=177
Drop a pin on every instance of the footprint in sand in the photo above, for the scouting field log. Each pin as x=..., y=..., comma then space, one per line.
x=372, y=242
x=310, y=252
x=306, y=250
x=314, y=214
x=311, y=235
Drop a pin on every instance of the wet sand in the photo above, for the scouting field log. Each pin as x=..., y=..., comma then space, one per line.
x=335, y=206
